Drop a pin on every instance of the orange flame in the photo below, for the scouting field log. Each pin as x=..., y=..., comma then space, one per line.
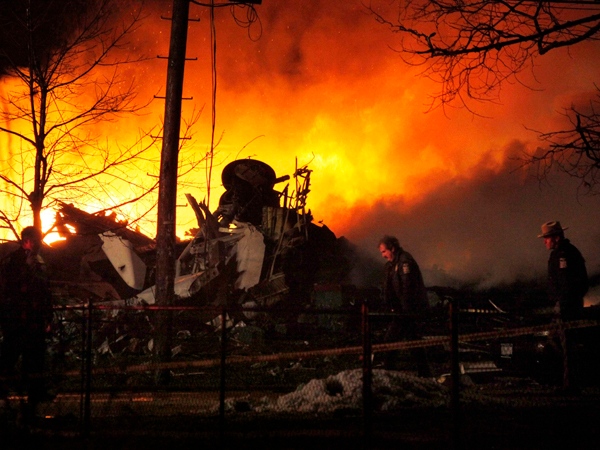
x=321, y=87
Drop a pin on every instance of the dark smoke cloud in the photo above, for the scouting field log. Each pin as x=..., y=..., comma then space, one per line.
x=480, y=226
x=483, y=229
x=297, y=42
x=51, y=22
x=309, y=58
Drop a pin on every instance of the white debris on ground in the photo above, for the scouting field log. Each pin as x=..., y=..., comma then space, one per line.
x=343, y=391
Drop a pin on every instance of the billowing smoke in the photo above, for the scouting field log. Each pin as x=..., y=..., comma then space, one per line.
x=482, y=229
x=50, y=23
x=317, y=82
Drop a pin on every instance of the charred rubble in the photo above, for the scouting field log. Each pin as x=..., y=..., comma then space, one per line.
x=260, y=255
x=260, y=245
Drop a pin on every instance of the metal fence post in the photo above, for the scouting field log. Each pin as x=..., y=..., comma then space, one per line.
x=222, y=376
x=367, y=371
x=455, y=370
x=87, y=368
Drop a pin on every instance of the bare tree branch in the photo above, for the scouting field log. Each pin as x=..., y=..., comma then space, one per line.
x=64, y=61
x=472, y=47
x=574, y=150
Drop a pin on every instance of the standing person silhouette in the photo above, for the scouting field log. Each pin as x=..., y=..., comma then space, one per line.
x=567, y=284
x=404, y=293
x=26, y=315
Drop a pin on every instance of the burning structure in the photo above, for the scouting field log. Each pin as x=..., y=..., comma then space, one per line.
x=258, y=249
x=259, y=256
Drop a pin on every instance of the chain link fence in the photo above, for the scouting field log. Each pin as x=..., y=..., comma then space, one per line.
x=294, y=379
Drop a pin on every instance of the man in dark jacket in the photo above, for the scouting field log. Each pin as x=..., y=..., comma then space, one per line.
x=404, y=293
x=26, y=315
x=567, y=284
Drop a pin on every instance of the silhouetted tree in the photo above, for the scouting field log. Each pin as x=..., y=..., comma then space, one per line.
x=60, y=62
x=471, y=47
x=574, y=150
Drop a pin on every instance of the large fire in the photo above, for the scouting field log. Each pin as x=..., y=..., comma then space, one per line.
x=316, y=83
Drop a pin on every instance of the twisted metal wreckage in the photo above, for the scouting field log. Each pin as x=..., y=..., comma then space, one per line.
x=259, y=255
x=259, y=249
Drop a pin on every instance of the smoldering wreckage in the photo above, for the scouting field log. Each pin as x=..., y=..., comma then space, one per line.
x=259, y=257
x=258, y=248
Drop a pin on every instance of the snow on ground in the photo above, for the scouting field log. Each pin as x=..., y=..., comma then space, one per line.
x=343, y=391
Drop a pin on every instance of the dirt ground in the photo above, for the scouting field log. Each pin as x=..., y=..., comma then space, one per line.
x=507, y=414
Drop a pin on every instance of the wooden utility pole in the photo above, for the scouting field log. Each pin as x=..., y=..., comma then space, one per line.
x=167, y=192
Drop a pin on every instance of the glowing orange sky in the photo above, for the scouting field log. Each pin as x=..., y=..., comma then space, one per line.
x=319, y=83
x=322, y=85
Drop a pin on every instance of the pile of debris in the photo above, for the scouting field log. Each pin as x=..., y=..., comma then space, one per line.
x=260, y=255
